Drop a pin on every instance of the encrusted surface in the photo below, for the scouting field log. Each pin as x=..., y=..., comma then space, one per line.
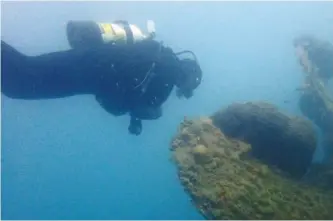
x=225, y=182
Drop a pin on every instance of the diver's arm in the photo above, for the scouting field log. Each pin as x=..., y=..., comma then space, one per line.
x=147, y=113
x=135, y=126
x=111, y=104
x=142, y=113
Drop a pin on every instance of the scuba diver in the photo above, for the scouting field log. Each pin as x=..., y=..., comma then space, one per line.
x=315, y=56
x=127, y=72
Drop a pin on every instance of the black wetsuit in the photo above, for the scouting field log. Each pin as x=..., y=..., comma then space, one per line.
x=115, y=74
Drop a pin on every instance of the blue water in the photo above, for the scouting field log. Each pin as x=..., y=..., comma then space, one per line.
x=69, y=159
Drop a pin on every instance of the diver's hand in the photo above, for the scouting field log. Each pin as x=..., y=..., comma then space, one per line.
x=135, y=126
x=147, y=113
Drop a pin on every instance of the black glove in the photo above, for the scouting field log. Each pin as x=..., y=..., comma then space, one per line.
x=135, y=126
x=147, y=113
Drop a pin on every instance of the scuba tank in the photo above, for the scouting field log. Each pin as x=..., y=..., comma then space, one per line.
x=82, y=34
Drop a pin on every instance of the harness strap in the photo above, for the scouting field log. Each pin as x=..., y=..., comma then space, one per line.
x=128, y=31
x=150, y=73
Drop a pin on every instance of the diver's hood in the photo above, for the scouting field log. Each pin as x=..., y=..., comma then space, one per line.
x=190, y=77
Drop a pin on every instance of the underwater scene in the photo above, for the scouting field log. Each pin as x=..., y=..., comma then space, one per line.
x=166, y=110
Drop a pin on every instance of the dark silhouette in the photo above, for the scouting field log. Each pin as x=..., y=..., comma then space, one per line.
x=134, y=79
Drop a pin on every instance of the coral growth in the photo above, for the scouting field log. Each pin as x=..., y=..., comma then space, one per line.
x=278, y=139
x=226, y=182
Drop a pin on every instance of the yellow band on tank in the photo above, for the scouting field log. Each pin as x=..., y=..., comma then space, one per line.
x=106, y=28
x=112, y=33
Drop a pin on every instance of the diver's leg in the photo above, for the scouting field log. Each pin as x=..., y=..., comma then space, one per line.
x=52, y=75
